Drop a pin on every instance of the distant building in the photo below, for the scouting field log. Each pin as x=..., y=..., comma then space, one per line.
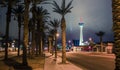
x=76, y=42
x=107, y=47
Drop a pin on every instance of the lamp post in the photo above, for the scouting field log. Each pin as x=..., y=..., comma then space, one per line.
x=91, y=44
x=29, y=47
x=69, y=41
x=69, y=44
x=56, y=36
x=14, y=42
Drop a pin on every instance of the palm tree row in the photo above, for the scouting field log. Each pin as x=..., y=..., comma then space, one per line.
x=9, y=4
x=19, y=14
x=36, y=25
x=42, y=16
x=38, y=20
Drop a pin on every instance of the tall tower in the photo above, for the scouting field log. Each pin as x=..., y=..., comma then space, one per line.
x=81, y=33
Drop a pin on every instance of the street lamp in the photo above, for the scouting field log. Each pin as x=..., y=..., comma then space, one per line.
x=29, y=47
x=90, y=39
x=69, y=41
x=69, y=44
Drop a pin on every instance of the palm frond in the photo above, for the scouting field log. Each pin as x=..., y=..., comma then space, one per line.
x=64, y=9
x=18, y=11
x=57, y=11
x=63, y=4
x=54, y=23
x=100, y=33
x=56, y=6
x=41, y=1
x=13, y=10
x=68, y=10
x=69, y=4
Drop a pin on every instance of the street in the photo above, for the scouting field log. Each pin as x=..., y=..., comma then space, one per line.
x=89, y=61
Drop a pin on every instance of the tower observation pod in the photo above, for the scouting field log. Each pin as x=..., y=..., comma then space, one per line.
x=81, y=34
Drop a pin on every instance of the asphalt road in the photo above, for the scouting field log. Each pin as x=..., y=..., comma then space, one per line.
x=91, y=62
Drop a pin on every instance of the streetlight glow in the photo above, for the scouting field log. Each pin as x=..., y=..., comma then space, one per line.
x=69, y=41
x=57, y=34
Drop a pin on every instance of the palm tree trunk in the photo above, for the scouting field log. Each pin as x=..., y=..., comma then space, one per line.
x=52, y=48
x=63, y=28
x=50, y=44
x=41, y=47
x=33, y=43
x=101, y=44
x=116, y=29
x=40, y=37
x=55, y=44
x=8, y=18
x=29, y=34
x=25, y=35
x=34, y=39
x=19, y=34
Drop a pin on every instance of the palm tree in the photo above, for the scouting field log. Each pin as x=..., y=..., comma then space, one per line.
x=10, y=3
x=34, y=11
x=100, y=34
x=34, y=3
x=55, y=24
x=18, y=11
x=51, y=39
x=25, y=34
x=42, y=15
x=33, y=22
x=8, y=18
x=32, y=28
x=116, y=30
x=63, y=10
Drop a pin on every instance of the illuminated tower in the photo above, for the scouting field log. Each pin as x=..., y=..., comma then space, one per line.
x=81, y=33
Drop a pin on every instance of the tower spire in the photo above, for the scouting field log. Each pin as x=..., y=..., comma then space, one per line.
x=81, y=20
x=81, y=32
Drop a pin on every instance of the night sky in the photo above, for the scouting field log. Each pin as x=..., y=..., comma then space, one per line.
x=96, y=16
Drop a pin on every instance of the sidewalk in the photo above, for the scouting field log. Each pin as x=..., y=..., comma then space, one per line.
x=15, y=63
x=51, y=64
